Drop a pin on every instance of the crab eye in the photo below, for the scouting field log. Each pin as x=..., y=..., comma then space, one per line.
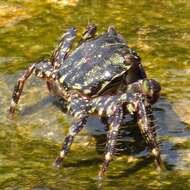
x=146, y=86
x=151, y=88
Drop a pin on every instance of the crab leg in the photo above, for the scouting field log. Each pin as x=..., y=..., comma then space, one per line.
x=78, y=109
x=112, y=107
x=61, y=52
x=89, y=33
x=74, y=130
x=112, y=138
x=140, y=105
x=41, y=70
x=146, y=125
x=135, y=103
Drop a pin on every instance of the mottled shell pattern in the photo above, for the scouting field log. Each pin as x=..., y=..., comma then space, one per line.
x=97, y=63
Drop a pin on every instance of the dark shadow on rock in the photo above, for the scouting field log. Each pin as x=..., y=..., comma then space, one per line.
x=39, y=105
x=83, y=163
x=133, y=169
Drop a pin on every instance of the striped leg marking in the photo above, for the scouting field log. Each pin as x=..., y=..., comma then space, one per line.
x=74, y=130
x=89, y=33
x=41, y=70
x=61, y=52
x=77, y=108
x=112, y=138
x=148, y=130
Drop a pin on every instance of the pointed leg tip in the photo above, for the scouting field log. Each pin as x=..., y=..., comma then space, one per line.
x=161, y=168
x=58, y=162
x=100, y=175
x=100, y=181
x=12, y=108
x=11, y=112
x=99, y=178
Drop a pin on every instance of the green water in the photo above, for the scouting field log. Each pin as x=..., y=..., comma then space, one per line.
x=29, y=31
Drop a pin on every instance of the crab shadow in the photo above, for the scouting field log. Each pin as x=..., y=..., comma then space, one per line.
x=83, y=163
x=42, y=104
x=132, y=169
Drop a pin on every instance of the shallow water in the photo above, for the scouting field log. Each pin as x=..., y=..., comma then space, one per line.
x=29, y=31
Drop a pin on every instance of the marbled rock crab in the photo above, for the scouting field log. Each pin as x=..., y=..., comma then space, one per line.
x=103, y=76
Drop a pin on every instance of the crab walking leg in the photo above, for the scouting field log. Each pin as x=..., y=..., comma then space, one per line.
x=18, y=88
x=78, y=109
x=89, y=33
x=41, y=70
x=112, y=138
x=61, y=52
x=74, y=130
x=146, y=124
x=112, y=107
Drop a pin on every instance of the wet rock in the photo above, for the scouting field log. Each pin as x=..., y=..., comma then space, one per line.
x=183, y=110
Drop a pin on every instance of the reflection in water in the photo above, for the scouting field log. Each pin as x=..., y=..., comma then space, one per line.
x=159, y=31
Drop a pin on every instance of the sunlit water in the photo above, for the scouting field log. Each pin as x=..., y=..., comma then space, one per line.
x=29, y=31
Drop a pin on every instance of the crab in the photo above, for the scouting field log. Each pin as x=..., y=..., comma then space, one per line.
x=102, y=76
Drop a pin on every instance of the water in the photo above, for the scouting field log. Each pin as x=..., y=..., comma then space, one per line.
x=29, y=31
